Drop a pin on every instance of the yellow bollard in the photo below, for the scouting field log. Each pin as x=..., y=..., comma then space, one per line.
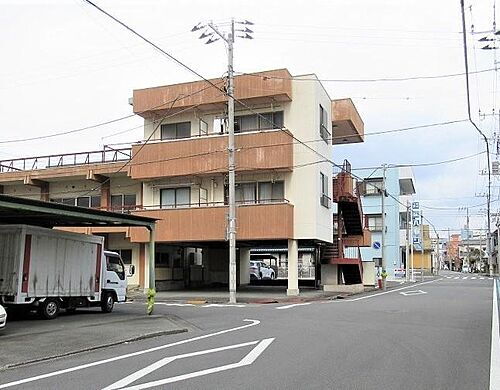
x=151, y=301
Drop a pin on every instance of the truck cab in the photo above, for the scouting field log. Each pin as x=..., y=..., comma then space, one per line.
x=114, y=281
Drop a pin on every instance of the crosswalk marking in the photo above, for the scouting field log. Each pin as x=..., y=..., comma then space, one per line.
x=465, y=277
x=473, y=278
x=456, y=277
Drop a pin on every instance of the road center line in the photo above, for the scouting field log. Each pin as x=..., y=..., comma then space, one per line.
x=495, y=343
x=125, y=356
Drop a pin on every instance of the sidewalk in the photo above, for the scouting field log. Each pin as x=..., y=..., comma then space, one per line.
x=74, y=333
x=247, y=294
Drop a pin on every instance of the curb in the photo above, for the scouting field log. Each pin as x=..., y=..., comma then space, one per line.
x=96, y=347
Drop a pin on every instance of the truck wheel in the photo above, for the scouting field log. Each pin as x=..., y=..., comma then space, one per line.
x=49, y=309
x=107, y=302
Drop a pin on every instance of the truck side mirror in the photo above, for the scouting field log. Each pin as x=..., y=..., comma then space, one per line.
x=131, y=270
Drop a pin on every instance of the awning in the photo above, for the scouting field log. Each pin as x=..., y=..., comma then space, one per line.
x=15, y=210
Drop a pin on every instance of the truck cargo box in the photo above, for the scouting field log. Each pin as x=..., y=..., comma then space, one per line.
x=38, y=262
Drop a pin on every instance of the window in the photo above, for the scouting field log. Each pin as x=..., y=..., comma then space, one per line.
x=175, y=197
x=203, y=196
x=271, y=192
x=113, y=264
x=82, y=201
x=403, y=220
x=176, y=130
x=123, y=203
x=372, y=186
x=323, y=124
x=125, y=254
x=246, y=193
x=265, y=121
x=203, y=127
x=324, y=198
x=375, y=223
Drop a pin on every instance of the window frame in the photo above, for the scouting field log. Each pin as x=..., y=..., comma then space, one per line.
x=325, y=199
x=176, y=125
x=175, y=205
x=376, y=227
x=323, y=124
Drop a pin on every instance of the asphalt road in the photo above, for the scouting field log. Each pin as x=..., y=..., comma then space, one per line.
x=435, y=335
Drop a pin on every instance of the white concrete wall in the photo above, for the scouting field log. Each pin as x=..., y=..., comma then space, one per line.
x=301, y=116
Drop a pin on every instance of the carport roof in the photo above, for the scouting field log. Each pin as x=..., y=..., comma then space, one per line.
x=15, y=210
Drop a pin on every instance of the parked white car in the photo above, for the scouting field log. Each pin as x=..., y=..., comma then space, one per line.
x=3, y=317
x=260, y=270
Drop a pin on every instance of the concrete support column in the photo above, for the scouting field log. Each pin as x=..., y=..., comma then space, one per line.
x=244, y=266
x=105, y=195
x=293, y=268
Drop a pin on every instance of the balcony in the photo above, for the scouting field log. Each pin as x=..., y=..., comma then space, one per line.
x=97, y=162
x=348, y=127
x=257, y=88
x=270, y=149
x=270, y=221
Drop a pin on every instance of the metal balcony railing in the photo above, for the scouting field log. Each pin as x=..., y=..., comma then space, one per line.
x=107, y=155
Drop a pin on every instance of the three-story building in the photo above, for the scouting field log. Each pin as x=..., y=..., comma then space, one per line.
x=178, y=174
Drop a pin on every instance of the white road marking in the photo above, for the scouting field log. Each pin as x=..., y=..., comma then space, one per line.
x=224, y=305
x=247, y=360
x=481, y=278
x=473, y=278
x=386, y=292
x=465, y=277
x=126, y=356
x=495, y=343
x=448, y=277
x=456, y=277
x=293, y=305
x=412, y=293
x=174, y=304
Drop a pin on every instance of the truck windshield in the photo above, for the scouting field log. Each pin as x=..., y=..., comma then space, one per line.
x=114, y=264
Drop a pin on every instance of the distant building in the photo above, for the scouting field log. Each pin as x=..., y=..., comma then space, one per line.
x=400, y=187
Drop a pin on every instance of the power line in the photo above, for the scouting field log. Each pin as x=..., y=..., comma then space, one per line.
x=384, y=79
x=78, y=130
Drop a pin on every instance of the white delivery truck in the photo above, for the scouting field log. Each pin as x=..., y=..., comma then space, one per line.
x=49, y=270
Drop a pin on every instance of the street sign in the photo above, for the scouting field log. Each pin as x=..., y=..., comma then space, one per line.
x=415, y=205
x=376, y=245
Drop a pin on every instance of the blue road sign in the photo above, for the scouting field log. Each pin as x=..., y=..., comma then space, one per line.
x=376, y=245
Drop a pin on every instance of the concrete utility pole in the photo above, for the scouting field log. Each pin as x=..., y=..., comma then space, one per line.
x=468, y=241
x=384, y=263
x=421, y=247
x=411, y=248
x=448, y=251
x=229, y=39
x=407, y=252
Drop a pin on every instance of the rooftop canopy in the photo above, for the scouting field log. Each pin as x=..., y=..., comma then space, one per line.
x=14, y=210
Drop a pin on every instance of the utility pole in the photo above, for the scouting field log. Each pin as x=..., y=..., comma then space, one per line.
x=411, y=248
x=384, y=263
x=468, y=241
x=407, y=252
x=421, y=247
x=448, y=251
x=229, y=39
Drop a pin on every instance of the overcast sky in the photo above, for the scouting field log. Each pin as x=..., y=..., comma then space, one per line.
x=64, y=65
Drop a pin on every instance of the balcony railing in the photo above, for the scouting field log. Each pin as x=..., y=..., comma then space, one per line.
x=106, y=155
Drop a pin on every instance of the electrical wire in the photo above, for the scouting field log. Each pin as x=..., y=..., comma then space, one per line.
x=409, y=78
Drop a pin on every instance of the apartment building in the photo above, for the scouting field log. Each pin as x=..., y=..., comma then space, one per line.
x=285, y=129
x=400, y=187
